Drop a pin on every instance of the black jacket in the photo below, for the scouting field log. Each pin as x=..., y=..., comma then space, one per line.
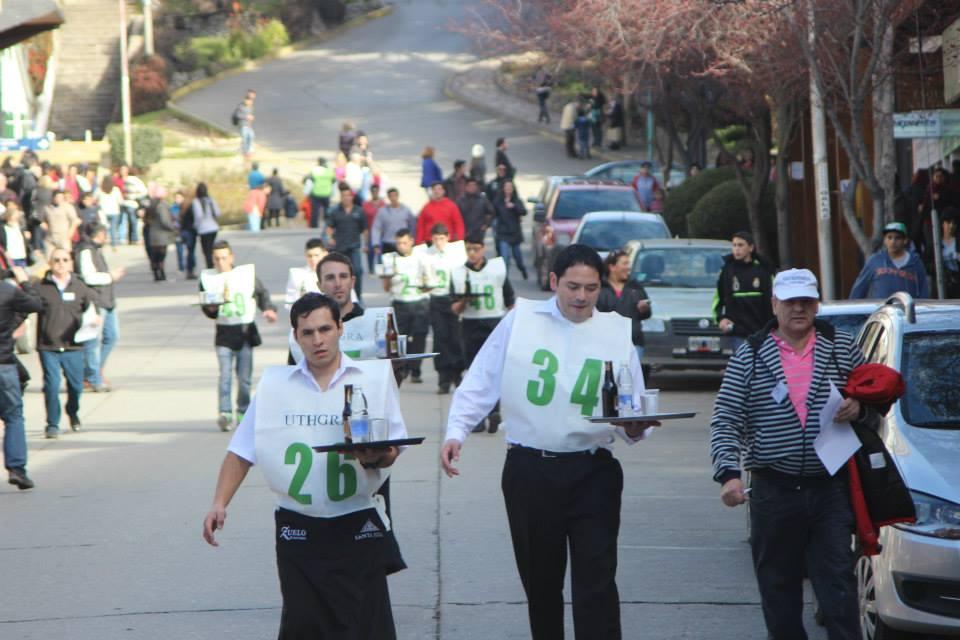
x=235, y=336
x=477, y=212
x=509, y=225
x=62, y=313
x=626, y=305
x=743, y=295
x=15, y=304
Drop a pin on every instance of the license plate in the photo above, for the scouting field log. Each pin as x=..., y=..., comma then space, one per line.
x=703, y=344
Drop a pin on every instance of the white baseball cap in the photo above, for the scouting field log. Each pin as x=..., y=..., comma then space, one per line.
x=795, y=283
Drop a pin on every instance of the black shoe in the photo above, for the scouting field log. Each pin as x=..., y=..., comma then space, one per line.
x=18, y=477
x=480, y=428
x=191, y=275
x=75, y=423
x=493, y=422
x=416, y=379
x=523, y=272
x=443, y=389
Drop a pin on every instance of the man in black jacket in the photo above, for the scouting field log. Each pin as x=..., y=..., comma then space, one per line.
x=96, y=274
x=65, y=299
x=476, y=209
x=742, y=302
x=237, y=335
x=15, y=304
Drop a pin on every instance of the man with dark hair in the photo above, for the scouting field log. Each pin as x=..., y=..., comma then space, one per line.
x=502, y=158
x=334, y=542
x=347, y=229
x=391, y=217
x=440, y=259
x=336, y=279
x=742, y=302
x=495, y=185
x=456, y=183
x=231, y=296
x=439, y=210
x=300, y=281
x=477, y=211
x=403, y=280
x=561, y=483
x=92, y=266
x=489, y=298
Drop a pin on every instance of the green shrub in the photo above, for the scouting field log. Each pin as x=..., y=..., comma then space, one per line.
x=210, y=53
x=682, y=199
x=147, y=144
x=723, y=211
x=274, y=34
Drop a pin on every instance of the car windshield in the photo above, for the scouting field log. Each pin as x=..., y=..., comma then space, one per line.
x=687, y=267
x=931, y=399
x=607, y=235
x=849, y=322
x=573, y=204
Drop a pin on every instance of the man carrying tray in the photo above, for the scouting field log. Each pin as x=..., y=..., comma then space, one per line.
x=403, y=277
x=334, y=543
x=491, y=296
x=231, y=296
x=561, y=483
x=439, y=259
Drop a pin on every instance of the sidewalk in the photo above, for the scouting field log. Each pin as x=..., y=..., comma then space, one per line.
x=478, y=88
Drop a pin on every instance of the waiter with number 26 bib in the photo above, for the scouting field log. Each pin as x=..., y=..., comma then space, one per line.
x=561, y=484
x=335, y=546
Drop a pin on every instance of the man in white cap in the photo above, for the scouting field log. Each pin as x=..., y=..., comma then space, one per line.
x=891, y=269
x=766, y=418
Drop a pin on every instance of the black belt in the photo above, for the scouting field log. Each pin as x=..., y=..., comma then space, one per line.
x=793, y=481
x=543, y=453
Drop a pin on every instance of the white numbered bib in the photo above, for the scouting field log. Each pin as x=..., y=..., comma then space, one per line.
x=552, y=377
x=305, y=279
x=288, y=425
x=489, y=282
x=407, y=277
x=439, y=265
x=235, y=289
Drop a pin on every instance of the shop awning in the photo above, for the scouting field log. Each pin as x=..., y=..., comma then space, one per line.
x=21, y=19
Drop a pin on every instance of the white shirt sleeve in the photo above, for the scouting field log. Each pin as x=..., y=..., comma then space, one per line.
x=243, y=443
x=480, y=390
x=293, y=291
x=89, y=273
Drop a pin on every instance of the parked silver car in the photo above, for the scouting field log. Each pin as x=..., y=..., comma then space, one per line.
x=680, y=276
x=609, y=230
x=913, y=585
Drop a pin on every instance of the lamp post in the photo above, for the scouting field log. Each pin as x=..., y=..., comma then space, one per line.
x=125, y=87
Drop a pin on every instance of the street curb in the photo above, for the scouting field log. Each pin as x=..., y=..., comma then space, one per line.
x=199, y=121
x=282, y=52
x=451, y=93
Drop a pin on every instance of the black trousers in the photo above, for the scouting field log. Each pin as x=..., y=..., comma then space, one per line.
x=556, y=502
x=206, y=244
x=475, y=333
x=446, y=339
x=333, y=578
x=807, y=528
x=413, y=320
x=571, y=142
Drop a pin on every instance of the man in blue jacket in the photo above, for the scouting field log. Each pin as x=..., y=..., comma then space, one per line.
x=892, y=269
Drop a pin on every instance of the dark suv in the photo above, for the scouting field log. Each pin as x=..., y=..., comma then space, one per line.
x=556, y=222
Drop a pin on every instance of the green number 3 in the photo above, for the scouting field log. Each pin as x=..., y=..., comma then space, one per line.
x=585, y=390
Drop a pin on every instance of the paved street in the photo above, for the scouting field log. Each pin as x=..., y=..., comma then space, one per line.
x=108, y=545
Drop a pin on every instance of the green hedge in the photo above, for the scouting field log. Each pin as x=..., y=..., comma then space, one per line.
x=147, y=144
x=682, y=199
x=215, y=53
x=723, y=211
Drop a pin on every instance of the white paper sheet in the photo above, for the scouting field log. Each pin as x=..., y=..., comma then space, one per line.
x=837, y=441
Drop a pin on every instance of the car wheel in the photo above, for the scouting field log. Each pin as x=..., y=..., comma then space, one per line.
x=871, y=626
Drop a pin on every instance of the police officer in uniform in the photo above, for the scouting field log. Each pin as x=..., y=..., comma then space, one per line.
x=440, y=258
x=561, y=483
x=334, y=543
x=237, y=335
x=410, y=301
x=491, y=295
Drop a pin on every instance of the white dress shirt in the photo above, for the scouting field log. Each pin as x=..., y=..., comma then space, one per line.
x=480, y=390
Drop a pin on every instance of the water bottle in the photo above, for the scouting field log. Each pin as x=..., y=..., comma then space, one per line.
x=625, y=391
x=359, y=418
x=380, y=335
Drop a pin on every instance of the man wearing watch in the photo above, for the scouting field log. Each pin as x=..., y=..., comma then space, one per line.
x=335, y=545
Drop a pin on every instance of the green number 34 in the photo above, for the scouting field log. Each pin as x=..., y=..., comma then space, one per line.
x=585, y=390
x=341, y=477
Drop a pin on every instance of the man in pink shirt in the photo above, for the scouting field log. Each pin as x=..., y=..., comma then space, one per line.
x=440, y=210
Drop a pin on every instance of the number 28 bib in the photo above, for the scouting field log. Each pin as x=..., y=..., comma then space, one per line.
x=552, y=377
x=291, y=420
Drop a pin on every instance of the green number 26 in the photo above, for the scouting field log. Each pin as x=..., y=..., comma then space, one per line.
x=585, y=390
x=341, y=477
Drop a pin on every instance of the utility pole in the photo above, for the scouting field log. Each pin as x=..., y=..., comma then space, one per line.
x=125, y=87
x=148, y=27
x=821, y=174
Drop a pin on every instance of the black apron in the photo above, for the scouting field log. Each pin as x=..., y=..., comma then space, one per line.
x=333, y=576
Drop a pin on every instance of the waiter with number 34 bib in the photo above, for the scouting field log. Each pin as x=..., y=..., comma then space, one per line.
x=335, y=546
x=561, y=483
